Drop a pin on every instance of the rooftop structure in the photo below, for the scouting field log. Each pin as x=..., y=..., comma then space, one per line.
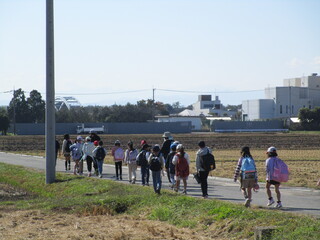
x=66, y=102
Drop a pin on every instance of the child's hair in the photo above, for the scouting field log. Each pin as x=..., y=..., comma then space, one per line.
x=66, y=136
x=245, y=152
x=272, y=154
x=100, y=143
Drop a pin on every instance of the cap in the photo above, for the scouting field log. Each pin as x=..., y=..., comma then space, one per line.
x=88, y=139
x=173, y=146
x=180, y=146
x=271, y=149
x=79, y=138
x=143, y=142
x=156, y=148
x=166, y=135
x=96, y=143
x=117, y=142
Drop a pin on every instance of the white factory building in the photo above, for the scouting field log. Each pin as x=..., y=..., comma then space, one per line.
x=284, y=102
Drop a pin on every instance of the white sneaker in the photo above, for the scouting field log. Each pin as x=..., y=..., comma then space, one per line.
x=247, y=202
x=279, y=205
x=270, y=202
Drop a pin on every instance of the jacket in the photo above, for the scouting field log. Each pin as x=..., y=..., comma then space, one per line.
x=201, y=152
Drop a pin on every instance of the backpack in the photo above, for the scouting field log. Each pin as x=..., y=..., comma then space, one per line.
x=142, y=159
x=248, y=169
x=155, y=164
x=67, y=146
x=182, y=166
x=208, y=162
x=119, y=154
x=76, y=152
x=280, y=171
x=100, y=153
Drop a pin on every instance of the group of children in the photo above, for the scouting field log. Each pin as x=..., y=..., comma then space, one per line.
x=170, y=157
x=91, y=150
x=276, y=172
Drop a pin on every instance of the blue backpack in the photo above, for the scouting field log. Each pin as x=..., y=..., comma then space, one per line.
x=248, y=168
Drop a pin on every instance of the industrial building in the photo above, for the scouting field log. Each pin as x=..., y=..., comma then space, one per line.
x=286, y=101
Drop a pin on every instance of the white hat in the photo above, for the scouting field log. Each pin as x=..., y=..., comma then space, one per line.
x=271, y=149
x=88, y=138
x=166, y=135
x=180, y=146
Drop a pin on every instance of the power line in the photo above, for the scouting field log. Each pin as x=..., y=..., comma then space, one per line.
x=187, y=91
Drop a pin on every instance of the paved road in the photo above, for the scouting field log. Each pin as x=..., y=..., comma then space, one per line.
x=296, y=200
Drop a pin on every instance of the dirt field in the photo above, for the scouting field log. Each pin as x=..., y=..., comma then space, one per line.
x=18, y=225
x=214, y=140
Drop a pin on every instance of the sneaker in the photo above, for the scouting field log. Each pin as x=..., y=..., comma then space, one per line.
x=89, y=174
x=120, y=178
x=270, y=202
x=184, y=191
x=100, y=176
x=279, y=205
x=69, y=167
x=205, y=196
x=247, y=202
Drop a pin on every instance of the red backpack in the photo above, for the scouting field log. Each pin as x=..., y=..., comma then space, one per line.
x=182, y=166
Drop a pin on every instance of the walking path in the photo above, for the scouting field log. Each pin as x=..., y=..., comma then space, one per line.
x=294, y=199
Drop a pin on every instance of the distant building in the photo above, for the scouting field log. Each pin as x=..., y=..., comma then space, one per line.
x=66, y=102
x=286, y=101
x=204, y=108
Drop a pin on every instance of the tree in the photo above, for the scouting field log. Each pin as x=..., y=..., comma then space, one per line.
x=18, y=109
x=36, y=106
x=4, y=121
x=310, y=118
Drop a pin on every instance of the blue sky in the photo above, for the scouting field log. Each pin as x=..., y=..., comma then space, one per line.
x=117, y=51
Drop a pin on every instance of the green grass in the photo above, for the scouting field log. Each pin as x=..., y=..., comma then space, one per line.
x=89, y=196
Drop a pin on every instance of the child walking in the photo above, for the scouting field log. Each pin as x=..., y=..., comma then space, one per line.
x=130, y=159
x=87, y=150
x=247, y=170
x=76, y=152
x=99, y=154
x=181, y=161
x=66, y=151
x=270, y=162
x=156, y=163
x=118, y=156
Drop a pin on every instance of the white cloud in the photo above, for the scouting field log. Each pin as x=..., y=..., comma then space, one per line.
x=316, y=60
x=295, y=62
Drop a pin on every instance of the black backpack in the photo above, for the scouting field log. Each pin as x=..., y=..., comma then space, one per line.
x=142, y=159
x=100, y=154
x=208, y=162
x=67, y=146
x=155, y=164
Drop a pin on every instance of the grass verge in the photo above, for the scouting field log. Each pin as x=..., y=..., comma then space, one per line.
x=90, y=196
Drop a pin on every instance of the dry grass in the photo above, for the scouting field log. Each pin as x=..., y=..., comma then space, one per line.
x=39, y=225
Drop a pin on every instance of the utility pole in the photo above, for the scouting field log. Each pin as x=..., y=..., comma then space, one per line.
x=50, y=110
x=14, y=112
x=153, y=105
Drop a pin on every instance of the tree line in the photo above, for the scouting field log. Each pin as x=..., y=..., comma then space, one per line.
x=31, y=109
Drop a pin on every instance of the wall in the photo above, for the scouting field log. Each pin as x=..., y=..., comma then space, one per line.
x=110, y=128
x=247, y=126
